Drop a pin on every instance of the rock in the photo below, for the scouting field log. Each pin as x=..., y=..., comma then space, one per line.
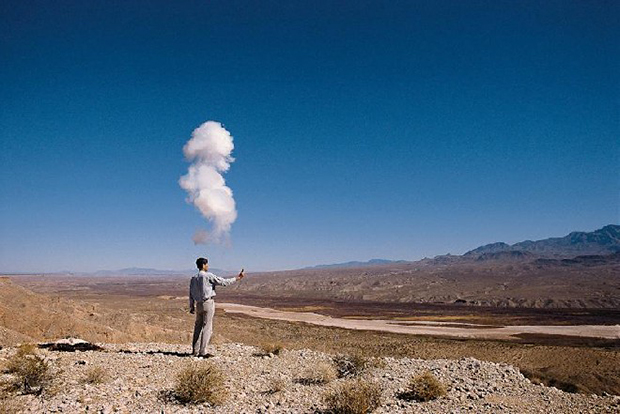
x=70, y=345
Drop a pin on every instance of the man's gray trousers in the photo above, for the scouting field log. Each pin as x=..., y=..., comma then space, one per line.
x=203, y=328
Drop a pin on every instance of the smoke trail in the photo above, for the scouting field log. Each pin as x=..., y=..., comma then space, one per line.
x=201, y=237
x=209, y=148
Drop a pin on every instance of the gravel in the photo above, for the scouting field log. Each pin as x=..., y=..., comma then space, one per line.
x=140, y=379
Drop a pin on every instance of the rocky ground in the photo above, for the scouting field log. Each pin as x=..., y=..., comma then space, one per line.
x=140, y=378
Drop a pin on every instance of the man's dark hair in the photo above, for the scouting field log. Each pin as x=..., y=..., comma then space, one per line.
x=201, y=261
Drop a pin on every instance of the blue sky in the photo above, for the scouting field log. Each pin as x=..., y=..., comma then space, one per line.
x=362, y=129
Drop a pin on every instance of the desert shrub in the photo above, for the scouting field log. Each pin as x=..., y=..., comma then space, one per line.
x=319, y=374
x=276, y=384
x=22, y=352
x=10, y=406
x=351, y=365
x=31, y=372
x=424, y=387
x=270, y=348
x=199, y=383
x=353, y=397
x=377, y=363
x=95, y=375
x=6, y=387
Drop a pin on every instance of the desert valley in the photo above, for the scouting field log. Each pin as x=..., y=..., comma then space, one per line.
x=551, y=312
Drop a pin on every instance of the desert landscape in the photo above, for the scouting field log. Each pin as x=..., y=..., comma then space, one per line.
x=554, y=320
x=415, y=204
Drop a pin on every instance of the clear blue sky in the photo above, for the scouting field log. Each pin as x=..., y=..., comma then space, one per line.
x=363, y=129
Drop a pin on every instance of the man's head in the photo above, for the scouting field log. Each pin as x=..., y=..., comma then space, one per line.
x=202, y=263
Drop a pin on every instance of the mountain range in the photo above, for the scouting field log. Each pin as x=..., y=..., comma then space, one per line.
x=579, y=270
x=603, y=241
x=144, y=271
x=356, y=263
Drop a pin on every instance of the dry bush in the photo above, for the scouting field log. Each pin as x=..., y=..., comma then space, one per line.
x=377, y=363
x=424, y=387
x=31, y=372
x=199, y=383
x=277, y=384
x=6, y=388
x=10, y=406
x=353, y=397
x=95, y=375
x=319, y=374
x=270, y=348
x=351, y=365
x=22, y=351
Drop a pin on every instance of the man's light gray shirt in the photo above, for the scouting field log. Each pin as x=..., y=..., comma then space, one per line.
x=202, y=286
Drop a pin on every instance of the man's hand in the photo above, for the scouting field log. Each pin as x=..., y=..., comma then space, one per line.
x=241, y=275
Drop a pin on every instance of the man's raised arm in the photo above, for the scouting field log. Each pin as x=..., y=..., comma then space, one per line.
x=220, y=281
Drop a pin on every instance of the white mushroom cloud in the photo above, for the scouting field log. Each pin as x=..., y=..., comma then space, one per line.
x=209, y=150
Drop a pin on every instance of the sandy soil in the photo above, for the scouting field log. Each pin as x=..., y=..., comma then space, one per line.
x=422, y=328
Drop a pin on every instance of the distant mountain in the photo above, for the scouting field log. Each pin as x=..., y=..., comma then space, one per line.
x=135, y=271
x=507, y=256
x=143, y=271
x=355, y=264
x=603, y=241
x=490, y=248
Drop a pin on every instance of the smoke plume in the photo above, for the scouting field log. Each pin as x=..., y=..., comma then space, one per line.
x=201, y=237
x=209, y=151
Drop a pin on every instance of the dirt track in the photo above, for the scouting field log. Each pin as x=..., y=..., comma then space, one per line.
x=471, y=331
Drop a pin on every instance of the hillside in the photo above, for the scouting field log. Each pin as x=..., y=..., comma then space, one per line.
x=355, y=263
x=603, y=241
x=141, y=378
x=489, y=280
x=25, y=315
x=576, y=271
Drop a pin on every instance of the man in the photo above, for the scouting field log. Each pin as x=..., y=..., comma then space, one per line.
x=201, y=294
